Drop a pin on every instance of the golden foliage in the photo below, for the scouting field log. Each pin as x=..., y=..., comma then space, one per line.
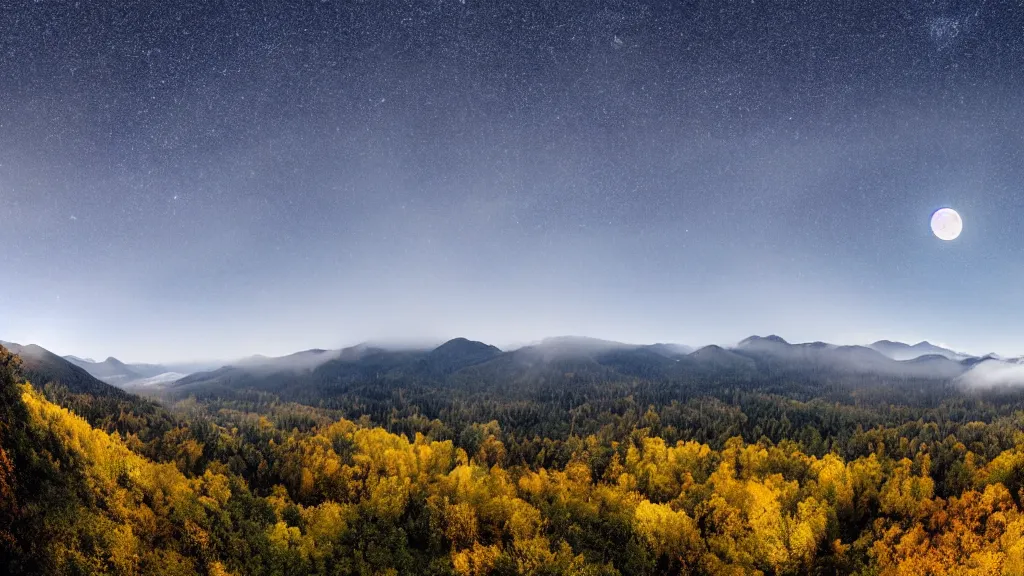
x=745, y=509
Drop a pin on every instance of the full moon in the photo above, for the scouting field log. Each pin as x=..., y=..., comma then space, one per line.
x=947, y=224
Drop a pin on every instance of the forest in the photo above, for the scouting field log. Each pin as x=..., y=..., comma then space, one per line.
x=587, y=473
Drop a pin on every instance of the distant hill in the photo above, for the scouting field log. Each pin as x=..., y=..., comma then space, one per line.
x=902, y=351
x=971, y=362
x=457, y=354
x=572, y=347
x=124, y=375
x=762, y=342
x=302, y=370
x=670, y=350
x=579, y=355
x=111, y=370
x=776, y=353
x=304, y=360
x=720, y=358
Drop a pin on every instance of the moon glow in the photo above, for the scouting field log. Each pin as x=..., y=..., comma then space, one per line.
x=947, y=224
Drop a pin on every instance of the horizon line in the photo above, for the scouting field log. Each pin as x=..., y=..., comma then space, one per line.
x=431, y=343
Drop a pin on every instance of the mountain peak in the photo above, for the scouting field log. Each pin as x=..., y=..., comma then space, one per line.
x=759, y=339
x=902, y=351
x=459, y=353
x=111, y=370
x=465, y=344
x=713, y=355
x=930, y=358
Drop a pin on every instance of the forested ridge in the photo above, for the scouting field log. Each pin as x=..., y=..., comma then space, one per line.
x=784, y=474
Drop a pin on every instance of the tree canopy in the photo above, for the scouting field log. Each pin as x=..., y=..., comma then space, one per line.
x=269, y=487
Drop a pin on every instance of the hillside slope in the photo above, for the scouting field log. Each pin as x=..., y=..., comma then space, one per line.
x=41, y=367
x=104, y=406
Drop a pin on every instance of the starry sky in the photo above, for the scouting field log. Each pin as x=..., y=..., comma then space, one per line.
x=193, y=180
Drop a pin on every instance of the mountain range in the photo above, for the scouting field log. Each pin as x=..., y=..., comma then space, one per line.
x=901, y=351
x=774, y=351
x=464, y=360
x=113, y=371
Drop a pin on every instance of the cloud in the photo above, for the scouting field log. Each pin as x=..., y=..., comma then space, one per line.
x=300, y=361
x=992, y=373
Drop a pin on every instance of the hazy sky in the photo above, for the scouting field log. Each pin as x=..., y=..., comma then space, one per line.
x=217, y=179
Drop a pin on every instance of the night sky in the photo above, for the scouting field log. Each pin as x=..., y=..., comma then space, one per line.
x=183, y=180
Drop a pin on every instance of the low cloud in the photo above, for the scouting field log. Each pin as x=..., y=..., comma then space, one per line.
x=298, y=362
x=993, y=373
